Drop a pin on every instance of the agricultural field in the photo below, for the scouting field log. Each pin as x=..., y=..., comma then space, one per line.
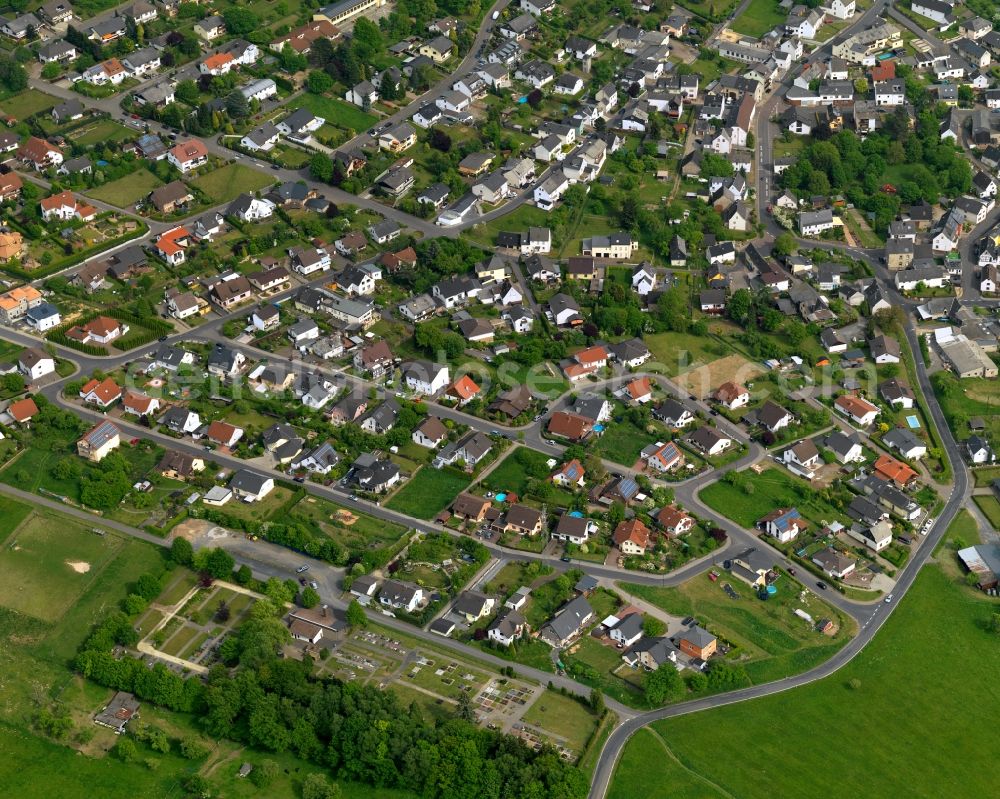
x=428, y=492
x=229, y=182
x=934, y=656
x=773, y=640
x=128, y=190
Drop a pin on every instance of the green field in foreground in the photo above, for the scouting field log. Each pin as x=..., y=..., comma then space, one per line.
x=902, y=719
x=34, y=660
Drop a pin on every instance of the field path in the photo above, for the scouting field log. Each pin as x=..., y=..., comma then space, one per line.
x=690, y=771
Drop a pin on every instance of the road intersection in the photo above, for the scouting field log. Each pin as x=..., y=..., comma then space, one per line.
x=270, y=560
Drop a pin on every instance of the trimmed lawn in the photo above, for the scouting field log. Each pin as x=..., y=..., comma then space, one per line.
x=104, y=131
x=759, y=17
x=335, y=112
x=127, y=190
x=622, y=442
x=911, y=689
x=230, y=181
x=985, y=476
x=521, y=218
x=777, y=641
x=772, y=488
x=429, y=492
x=263, y=509
x=564, y=717
x=990, y=508
x=516, y=470
x=30, y=101
x=47, y=563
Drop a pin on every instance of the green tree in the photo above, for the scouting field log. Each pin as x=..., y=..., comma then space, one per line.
x=181, y=551
x=673, y=310
x=321, y=167
x=308, y=597
x=237, y=105
x=663, y=685
x=784, y=245
x=356, y=616
x=264, y=773
x=653, y=627
x=319, y=82
x=125, y=749
x=366, y=40
x=187, y=92
x=240, y=21
x=740, y=306
x=317, y=786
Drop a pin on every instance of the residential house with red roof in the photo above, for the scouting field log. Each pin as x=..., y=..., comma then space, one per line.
x=632, y=537
x=188, y=155
x=102, y=393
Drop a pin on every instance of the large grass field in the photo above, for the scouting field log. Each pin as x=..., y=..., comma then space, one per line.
x=760, y=17
x=920, y=690
x=127, y=190
x=47, y=563
x=335, y=111
x=230, y=181
x=34, y=658
x=777, y=642
x=428, y=492
x=772, y=488
x=24, y=104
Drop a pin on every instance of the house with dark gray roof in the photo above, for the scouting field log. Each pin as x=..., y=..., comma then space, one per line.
x=567, y=623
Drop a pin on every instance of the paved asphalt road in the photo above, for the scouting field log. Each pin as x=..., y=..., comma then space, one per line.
x=267, y=560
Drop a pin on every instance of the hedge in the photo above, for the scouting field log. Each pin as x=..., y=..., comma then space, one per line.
x=75, y=258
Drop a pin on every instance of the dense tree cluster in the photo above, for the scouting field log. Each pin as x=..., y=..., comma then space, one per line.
x=358, y=732
x=843, y=164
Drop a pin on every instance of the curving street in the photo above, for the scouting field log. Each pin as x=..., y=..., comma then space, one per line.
x=270, y=560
